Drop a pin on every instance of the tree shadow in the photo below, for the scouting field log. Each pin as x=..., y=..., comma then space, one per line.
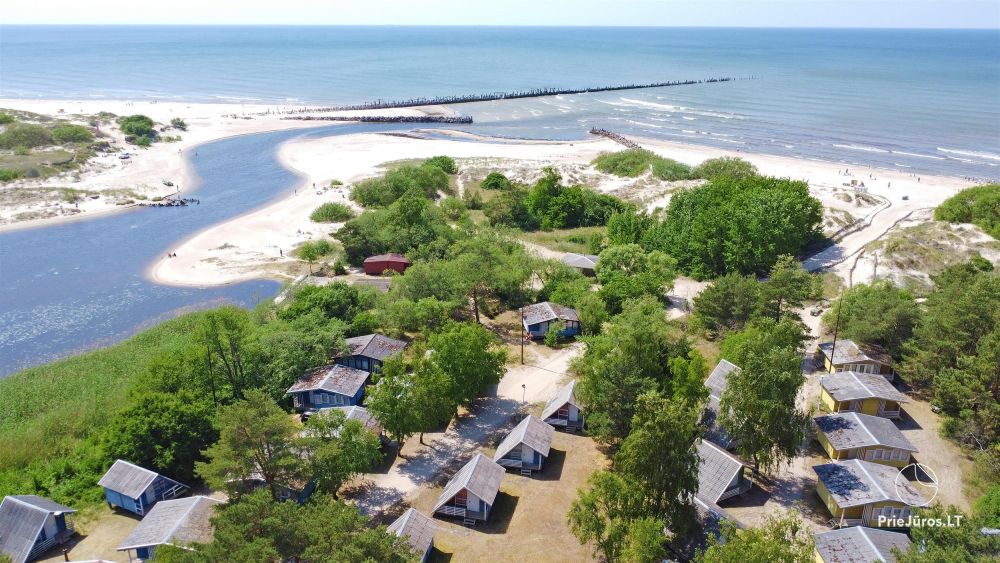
x=372, y=499
x=552, y=468
x=500, y=515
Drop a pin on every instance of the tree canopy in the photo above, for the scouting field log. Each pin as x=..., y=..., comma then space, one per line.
x=880, y=314
x=979, y=205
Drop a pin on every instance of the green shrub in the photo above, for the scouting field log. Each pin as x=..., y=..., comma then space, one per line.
x=331, y=212
x=425, y=179
x=495, y=181
x=670, y=170
x=445, y=163
x=979, y=205
x=69, y=133
x=453, y=207
x=25, y=135
x=472, y=200
x=178, y=123
x=6, y=175
x=6, y=118
x=142, y=141
x=22, y=151
x=726, y=166
x=138, y=126
x=335, y=183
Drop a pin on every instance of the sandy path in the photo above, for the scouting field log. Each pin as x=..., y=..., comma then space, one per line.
x=445, y=451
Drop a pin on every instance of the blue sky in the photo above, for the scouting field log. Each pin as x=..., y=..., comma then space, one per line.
x=722, y=13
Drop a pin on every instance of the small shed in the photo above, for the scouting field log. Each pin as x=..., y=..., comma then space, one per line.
x=328, y=386
x=721, y=475
x=31, y=525
x=362, y=415
x=850, y=435
x=862, y=493
x=848, y=391
x=137, y=489
x=368, y=352
x=846, y=355
x=563, y=410
x=376, y=265
x=418, y=531
x=716, y=384
x=178, y=522
x=526, y=447
x=539, y=317
x=586, y=264
x=859, y=544
x=471, y=492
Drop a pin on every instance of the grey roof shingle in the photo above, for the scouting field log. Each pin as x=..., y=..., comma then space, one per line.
x=548, y=311
x=849, y=430
x=22, y=517
x=417, y=528
x=716, y=470
x=481, y=476
x=333, y=379
x=716, y=384
x=852, y=386
x=716, y=381
x=585, y=261
x=564, y=396
x=362, y=415
x=859, y=544
x=374, y=346
x=129, y=479
x=533, y=432
x=855, y=483
x=176, y=522
x=848, y=352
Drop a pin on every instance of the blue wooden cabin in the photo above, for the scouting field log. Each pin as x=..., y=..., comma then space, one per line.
x=368, y=352
x=329, y=386
x=137, y=489
x=539, y=317
x=31, y=525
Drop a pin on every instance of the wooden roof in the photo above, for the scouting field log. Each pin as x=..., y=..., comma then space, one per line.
x=481, y=476
x=129, y=479
x=536, y=434
x=22, y=517
x=176, y=522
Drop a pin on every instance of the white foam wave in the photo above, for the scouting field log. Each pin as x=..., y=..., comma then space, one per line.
x=917, y=155
x=645, y=124
x=977, y=154
x=860, y=148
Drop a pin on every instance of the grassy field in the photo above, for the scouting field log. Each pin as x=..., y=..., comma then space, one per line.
x=48, y=412
x=565, y=240
x=528, y=520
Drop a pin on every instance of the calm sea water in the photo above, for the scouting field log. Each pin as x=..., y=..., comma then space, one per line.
x=925, y=100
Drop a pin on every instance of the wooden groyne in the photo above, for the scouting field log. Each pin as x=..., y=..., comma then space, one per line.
x=532, y=93
x=620, y=139
x=386, y=118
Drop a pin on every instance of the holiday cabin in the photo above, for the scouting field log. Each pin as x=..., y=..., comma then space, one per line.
x=851, y=435
x=137, y=489
x=368, y=352
x=866, y=393
x=858, y=493
x=31, y=525
x=564, y=410
x=178, y=522
x=328, y=386
x=526, y=447
x=471, y=492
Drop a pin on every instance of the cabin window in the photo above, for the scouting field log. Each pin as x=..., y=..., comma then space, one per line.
x=563, y=413
x=364, y=364
x=462, y=498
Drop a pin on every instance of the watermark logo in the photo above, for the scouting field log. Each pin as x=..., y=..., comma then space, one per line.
x=925, y=481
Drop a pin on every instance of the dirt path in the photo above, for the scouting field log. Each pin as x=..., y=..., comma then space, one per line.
x=375, y=493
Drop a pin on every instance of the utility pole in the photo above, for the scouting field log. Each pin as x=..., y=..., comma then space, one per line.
x=522, y=335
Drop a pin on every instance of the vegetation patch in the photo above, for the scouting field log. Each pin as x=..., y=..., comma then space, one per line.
x=331, y=212
x=979, y=205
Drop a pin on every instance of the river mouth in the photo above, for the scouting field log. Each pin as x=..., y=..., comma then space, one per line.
x=81, y=285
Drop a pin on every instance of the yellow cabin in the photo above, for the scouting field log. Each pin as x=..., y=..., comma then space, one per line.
x=849, y=391
x=860, y=436
x=845, y=355
x=862, y=493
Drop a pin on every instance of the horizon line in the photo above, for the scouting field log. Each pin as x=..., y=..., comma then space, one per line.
x=567, y=26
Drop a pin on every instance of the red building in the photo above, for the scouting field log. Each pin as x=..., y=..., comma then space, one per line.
x=375, y=265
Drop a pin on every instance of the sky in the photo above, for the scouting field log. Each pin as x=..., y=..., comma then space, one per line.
x=708, y=13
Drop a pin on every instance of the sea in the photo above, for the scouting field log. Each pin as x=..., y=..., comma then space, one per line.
x=925, y=101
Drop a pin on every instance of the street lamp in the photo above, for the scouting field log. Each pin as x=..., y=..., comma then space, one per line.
x=524, y=391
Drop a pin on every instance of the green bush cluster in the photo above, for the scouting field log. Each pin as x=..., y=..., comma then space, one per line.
x=6, y=175
x=550, y=205
x=69, y=133
x=445, y=163
x=6, y=118
x=331, y=212
x=178, y=123
x=139, y=127
x=727, y=166
x=630, y=163
x=495, y=181
x=979, y=205
x=25, y=135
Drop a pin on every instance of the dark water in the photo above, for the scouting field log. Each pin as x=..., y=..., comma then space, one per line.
x=74, y=286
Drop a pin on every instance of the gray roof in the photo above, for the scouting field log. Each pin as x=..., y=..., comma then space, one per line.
x=716, y=470
x=565, y=395
x=481, y=476
x=848, y=430
x=856, y=483
x=418, y=529
x=859, y=544
x=362, y=415
x=533, y=432
x=176, y=522
x=716, y=381
x=332, y=379
x=22, y=517
x=848, y=352
x=548, y=311
x=129, y=479
x=375, y=346
x=716, y=384
x=586, y=261
x=851, y=386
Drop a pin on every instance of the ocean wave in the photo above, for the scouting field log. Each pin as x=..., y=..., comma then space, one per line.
x=679, y=109
x=645, y=124
x=917, y=155
x=860, y=148
x=977, y=154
